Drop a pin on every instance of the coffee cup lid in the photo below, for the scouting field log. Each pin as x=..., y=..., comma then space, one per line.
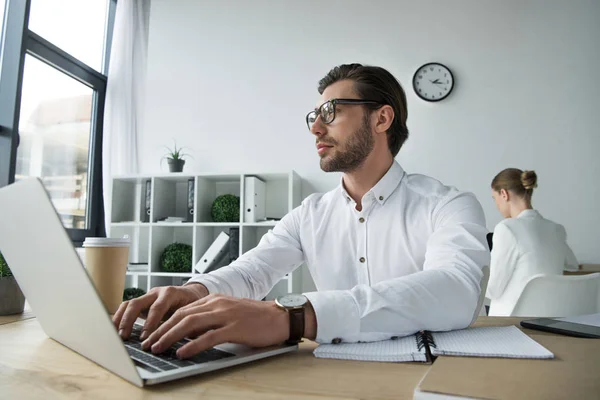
x=106, y=242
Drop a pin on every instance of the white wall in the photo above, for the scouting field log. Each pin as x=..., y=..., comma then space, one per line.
x=233, y=81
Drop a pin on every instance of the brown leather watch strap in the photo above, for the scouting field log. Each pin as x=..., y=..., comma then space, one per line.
x=296, y=325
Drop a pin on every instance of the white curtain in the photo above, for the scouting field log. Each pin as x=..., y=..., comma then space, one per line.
x=124, y=94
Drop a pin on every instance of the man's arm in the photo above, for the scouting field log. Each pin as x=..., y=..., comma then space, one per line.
x=255, y=272
x=504, y=259
x=441, y=297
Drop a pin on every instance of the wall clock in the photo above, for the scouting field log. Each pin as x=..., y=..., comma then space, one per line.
x=433, y=82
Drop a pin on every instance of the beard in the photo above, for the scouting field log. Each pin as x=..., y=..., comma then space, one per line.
x=353, y=153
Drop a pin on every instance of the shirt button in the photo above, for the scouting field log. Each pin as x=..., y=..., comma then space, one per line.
x=336, y=340
x=380, y=197
x=362, y=259
x=361, y=219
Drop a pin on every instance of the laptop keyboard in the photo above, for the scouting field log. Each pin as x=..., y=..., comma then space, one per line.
x=167, y=360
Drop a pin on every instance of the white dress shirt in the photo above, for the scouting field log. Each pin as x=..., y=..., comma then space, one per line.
x=410, y=260
x=522, y=247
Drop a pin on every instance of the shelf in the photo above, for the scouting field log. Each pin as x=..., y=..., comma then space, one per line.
x=173, y=274
x=219, y=224
x=139, y=201
x=173, y=224
x=126, y=224
x=260, y=224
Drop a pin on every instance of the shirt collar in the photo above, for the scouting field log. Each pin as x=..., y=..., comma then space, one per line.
x=529, y=214
x=382, y=189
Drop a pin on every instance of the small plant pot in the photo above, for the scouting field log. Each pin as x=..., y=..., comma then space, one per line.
x=12, y=300
x=175, y=165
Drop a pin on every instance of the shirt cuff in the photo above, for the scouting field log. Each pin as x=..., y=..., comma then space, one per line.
x=207, y=282
x=337, y=315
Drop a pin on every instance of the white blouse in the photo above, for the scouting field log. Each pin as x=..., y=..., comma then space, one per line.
x=522, y=247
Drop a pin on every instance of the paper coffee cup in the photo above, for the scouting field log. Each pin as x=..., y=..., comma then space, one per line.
x=106, y=263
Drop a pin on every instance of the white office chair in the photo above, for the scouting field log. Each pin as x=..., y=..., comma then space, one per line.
x=559, y=296
x=480, y=310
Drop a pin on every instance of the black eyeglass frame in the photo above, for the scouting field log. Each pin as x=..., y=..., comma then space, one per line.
x=317, y=111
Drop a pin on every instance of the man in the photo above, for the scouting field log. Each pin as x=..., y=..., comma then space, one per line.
x=390, y=253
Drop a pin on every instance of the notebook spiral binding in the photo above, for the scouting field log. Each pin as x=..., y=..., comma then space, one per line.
x=424, y=338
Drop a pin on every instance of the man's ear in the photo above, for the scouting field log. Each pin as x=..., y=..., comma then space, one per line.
x=384, y=118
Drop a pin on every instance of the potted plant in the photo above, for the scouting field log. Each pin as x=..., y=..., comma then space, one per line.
x=177, y=257
x=175, y=158
x=226, y=208
x=12, y=300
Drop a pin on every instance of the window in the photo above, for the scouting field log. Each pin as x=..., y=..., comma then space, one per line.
x=54, y=126
x=52, y=92
x=75, y=26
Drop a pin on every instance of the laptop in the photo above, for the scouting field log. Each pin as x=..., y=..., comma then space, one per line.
x=44, y=262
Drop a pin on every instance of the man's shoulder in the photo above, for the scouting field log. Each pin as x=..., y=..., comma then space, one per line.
x=321, y=199
x=429, y=187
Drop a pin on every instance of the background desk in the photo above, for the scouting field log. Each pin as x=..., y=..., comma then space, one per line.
x=584, y=269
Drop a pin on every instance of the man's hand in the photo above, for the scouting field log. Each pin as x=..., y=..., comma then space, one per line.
x=218, y=319
x=157, y=303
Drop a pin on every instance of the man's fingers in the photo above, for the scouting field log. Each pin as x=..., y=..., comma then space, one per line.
x=167, y=325
x=132, y=311
x=155, y=315
x=190, y=325
x=204, y=342
x=119, y=314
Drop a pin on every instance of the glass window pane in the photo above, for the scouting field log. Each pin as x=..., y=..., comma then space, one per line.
x=55, y=128
x=76, y=26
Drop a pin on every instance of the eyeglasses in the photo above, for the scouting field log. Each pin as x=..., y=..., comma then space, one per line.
x=327, y=110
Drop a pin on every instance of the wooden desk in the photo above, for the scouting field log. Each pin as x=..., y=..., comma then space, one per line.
x=26, y=314
x=584, y=269
x=572, y=374
x=32, y=366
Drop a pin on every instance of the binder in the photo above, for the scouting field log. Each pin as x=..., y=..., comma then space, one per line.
x=190, y=201
x=254, y=199
x=214, y=254
x=147, y=201
x=234, y=244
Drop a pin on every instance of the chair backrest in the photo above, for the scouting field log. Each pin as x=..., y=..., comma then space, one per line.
x=483, y=284
x=559, y=296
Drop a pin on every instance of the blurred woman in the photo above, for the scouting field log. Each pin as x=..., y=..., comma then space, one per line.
x=524, y=244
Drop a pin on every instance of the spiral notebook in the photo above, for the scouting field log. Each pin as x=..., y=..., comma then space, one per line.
x=495, y=341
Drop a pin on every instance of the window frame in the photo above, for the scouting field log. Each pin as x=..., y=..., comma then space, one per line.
x=17, y=41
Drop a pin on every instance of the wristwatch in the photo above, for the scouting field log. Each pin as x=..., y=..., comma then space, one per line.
x=294, y=305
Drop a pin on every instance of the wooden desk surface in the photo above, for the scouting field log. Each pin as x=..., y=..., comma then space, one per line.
x=26, y=314
x=33, y=366
x=572, y=374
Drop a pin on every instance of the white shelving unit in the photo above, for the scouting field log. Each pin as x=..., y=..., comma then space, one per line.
x=283, y=192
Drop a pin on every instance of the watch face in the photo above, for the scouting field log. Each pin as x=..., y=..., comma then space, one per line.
x=433, y=82
x=292, y=300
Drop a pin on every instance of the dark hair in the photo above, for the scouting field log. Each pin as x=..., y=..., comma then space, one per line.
x=377, y=84
x=519, y=182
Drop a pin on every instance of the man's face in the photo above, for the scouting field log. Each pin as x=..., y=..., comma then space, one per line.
x=345, y=143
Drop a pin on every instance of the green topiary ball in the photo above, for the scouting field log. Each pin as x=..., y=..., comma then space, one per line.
x=132, y=292
x=4, y=270
x=177, y=257
x=226, y=208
